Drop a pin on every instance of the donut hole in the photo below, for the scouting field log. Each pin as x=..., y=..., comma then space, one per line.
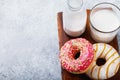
x=100, y=61
x=77, y=55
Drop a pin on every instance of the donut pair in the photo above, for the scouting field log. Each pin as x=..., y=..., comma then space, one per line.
x=80, y=56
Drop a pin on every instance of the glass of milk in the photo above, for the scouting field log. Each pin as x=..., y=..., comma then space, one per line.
x=74, y=18
x=104, y=22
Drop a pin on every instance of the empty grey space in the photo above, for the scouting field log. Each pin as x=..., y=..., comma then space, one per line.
x=29, y=44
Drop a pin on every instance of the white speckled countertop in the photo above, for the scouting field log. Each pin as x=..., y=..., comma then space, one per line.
x=29, y=39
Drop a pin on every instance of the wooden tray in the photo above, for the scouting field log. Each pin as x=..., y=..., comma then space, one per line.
x=63, y=38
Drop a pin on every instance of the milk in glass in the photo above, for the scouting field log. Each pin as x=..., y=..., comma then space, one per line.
x=105, y=24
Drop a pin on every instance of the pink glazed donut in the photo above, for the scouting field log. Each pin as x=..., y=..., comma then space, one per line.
x=76, y=55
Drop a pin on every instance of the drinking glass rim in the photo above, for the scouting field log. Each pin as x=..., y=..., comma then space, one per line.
x=91, y=13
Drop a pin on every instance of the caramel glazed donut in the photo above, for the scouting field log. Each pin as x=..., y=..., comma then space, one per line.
x=111, y=65
x=70, y=49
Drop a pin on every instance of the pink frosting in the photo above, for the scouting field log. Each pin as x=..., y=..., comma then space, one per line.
x=69, y=50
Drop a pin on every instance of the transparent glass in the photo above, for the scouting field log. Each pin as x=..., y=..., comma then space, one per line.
x=104, y=22
x=91, y=3
x=74, y=18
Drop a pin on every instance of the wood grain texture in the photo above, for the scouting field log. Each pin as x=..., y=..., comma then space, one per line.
x=63, y=37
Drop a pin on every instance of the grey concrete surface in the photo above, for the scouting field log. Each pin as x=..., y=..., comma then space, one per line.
x=29, y=39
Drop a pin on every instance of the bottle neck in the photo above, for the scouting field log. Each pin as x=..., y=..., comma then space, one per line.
x=75, y=5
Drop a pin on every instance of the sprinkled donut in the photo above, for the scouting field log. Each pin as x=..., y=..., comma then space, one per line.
x=111, y=64
x=81, y=63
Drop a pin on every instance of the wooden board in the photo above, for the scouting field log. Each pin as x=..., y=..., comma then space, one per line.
x=63, y=38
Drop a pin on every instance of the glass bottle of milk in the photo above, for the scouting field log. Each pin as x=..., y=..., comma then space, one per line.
x=74, y=18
